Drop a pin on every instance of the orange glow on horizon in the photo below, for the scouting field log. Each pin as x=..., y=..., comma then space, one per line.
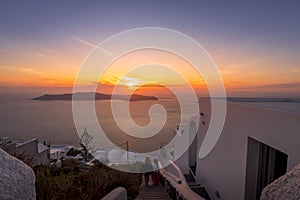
x=42, y=72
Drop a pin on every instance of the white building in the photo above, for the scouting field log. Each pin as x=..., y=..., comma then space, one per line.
x=58, y=152
x=260, y=141
x=32, y=151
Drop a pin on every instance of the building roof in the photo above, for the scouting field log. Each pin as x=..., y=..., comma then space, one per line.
x=27, y=142
x=42, y=147
x=60, y=147
x=54, y=151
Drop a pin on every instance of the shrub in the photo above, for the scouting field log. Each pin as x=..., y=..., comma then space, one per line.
x=70, y=182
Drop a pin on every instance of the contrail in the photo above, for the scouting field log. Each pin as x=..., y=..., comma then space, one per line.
x=87, y=43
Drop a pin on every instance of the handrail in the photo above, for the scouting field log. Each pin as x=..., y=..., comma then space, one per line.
x=119, y=193
x=179, y=182
x=192, y=173
x=179, y=172
x=173, y=177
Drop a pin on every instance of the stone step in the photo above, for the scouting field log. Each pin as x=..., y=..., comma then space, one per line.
x=191, y=184
x=148, y=192
x=189, y=178
x=201, y=191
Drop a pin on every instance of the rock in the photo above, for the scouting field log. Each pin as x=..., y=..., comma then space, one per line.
x=17, y=180
x=285, y=187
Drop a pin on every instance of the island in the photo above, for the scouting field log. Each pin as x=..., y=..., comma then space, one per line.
x=91, y=96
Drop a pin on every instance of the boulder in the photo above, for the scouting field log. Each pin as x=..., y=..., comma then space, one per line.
x=285, y=187
x=17, y=180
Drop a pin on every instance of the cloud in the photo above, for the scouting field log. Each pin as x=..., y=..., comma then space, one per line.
x=15, y=75
x=21, y=69
x=296, y=70
x=44, y=53
x=152, y=85
x=87, y=43
x=40, y=55
x=281, y=86
x=220, y=51
x=49, y=51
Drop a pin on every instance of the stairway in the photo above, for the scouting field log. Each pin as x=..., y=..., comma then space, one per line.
x=152, y=192
x=196, y=187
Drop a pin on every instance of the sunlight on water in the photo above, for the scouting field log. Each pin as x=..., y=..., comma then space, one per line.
x=53, y=121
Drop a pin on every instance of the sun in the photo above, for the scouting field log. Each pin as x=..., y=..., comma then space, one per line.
x=130, y=82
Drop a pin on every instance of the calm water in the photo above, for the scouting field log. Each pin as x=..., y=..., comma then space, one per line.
x=53, y=121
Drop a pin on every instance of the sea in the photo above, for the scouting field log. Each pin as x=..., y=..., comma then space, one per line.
x=52, y=121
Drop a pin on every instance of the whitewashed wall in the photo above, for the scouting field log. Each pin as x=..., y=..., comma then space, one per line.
x=224, y=169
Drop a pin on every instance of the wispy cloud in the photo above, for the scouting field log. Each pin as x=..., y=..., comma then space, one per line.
x=222, y=50
x=40, y=55
x=22, y=75
x=281, y=86
x=87, y=43
x=23, y=69
x=44, y=53
x=49, y=51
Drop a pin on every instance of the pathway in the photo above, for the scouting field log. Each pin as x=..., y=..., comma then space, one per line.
x=152, y=192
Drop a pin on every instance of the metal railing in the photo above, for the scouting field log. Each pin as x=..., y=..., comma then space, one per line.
x=192, y=173
x=119, y=193
x=176, y=185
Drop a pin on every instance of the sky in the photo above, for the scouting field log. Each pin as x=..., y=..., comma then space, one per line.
x=255, y=44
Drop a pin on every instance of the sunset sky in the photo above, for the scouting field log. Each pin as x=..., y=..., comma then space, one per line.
x=256, y=45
